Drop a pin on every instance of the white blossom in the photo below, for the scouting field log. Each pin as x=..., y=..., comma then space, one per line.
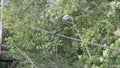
x=113, y=3
x=101, y=59
x=117, y=32
x=41, y=17
x=65, y=17
x=52, y=1
x=105, y=52
x=84, y=1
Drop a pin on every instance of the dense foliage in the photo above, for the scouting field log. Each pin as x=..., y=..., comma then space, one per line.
x=95, y=21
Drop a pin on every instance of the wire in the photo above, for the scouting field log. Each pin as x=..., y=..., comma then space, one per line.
x=75, y=39
x=23, y=53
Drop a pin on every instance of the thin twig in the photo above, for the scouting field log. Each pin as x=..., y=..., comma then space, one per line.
x=75, y=39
